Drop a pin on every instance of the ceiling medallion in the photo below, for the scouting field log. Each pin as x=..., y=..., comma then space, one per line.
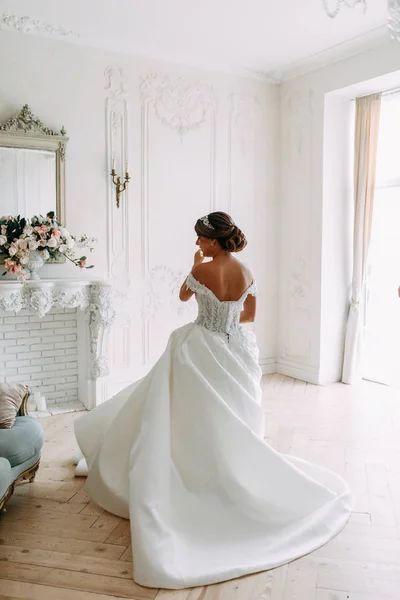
x=332, y=10
x=34, y=26
x=394, y=19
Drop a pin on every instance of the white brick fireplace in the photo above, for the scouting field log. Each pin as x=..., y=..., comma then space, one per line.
x=54, y=338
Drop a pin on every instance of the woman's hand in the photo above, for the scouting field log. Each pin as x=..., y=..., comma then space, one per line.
x=198, y=258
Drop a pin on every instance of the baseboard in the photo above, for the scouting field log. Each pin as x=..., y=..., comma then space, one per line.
x=268, y=366
x=298, y=371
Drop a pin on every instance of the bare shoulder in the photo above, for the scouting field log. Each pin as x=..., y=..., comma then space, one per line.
x=247, y=273
x=203, y=272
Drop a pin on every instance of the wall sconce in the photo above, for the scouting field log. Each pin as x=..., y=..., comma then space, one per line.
x=119, y=185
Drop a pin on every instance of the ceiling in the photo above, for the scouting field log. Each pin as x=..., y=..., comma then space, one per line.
x=253, y=36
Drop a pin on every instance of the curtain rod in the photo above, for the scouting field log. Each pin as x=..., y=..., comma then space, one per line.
x=389, y=92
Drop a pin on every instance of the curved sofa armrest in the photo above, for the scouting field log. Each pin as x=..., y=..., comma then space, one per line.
x=5, y=467
x=23, y=410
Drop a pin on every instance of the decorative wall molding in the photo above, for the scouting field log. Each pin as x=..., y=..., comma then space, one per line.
x=119, y=267
x=101, y=318
x=117, y=148
x=31, y=26
x=42, y=296
x=299, y=105
x=296, y=323
x=162, y=287
x=245, y=116
x=178, y=104
x=184, y=107
x=299, y=287
x=245, y=111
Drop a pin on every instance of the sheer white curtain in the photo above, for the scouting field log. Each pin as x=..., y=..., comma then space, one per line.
x=365, y=154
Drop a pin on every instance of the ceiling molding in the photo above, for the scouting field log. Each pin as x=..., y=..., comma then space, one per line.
x=31, y=26
x=355, y=46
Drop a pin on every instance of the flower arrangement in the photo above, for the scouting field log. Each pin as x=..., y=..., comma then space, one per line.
x=20, y=237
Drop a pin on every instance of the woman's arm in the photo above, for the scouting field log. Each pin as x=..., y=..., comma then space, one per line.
x=248, y=313
x=185, y=293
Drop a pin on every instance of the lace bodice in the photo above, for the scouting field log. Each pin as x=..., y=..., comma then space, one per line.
x=218, y=315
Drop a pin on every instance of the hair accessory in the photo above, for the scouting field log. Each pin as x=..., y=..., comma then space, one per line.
x=206, y=222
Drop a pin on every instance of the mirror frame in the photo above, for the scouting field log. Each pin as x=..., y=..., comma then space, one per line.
x=27, y=131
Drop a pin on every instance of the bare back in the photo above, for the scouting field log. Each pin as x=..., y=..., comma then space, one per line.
x=225, y=276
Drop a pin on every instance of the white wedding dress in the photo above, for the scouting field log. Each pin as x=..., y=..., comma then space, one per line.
x=181, y=454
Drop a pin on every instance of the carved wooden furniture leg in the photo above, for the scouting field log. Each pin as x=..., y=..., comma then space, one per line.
x=6, y=496
x=30, y=474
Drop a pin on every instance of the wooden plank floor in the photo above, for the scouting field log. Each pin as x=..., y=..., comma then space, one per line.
x=55, y=544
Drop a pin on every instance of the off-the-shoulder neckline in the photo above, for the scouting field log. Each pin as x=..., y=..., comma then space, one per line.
x=246, y=291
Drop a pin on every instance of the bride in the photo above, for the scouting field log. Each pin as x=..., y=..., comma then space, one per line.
x=181, y=453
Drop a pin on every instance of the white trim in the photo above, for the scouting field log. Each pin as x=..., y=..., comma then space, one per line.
x=350, y=48
x=298, y=371
x=268, y=365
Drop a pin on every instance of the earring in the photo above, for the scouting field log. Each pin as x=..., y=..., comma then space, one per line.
x=213, y=243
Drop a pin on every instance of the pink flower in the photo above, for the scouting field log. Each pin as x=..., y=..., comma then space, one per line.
x=23, y=244
x=3, y=229
x=56, y=233
x=82, y=263
x=43, y=243
x=12, y=250
x=3, y=240
x=52, y=243
x=33, y=245
x=12, y=266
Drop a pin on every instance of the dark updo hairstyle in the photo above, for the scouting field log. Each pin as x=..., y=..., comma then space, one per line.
x=220, y=226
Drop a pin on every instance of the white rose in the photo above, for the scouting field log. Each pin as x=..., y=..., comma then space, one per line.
x=23, y=244
x=3, y=240
x=33, y=245
x=12, y=251
x=28, y=230
x=63, y=248
x=24, y=260
x=44, y=254
x=64, y=232
x=52, y=243
x=70, y=243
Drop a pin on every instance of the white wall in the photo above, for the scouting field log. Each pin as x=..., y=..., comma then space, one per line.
x=314, y=233
x=196, y=142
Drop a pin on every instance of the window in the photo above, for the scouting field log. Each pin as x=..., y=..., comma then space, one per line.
x=381, y=361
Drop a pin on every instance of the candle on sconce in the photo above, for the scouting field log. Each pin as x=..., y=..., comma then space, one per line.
x=113, y=164
x=126, y=167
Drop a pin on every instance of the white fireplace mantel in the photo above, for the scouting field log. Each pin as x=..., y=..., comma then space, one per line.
x=92, y=298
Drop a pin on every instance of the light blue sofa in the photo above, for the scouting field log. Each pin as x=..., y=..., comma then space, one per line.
x=20, y=449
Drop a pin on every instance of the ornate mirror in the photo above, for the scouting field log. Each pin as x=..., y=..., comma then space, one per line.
x=32, y=167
